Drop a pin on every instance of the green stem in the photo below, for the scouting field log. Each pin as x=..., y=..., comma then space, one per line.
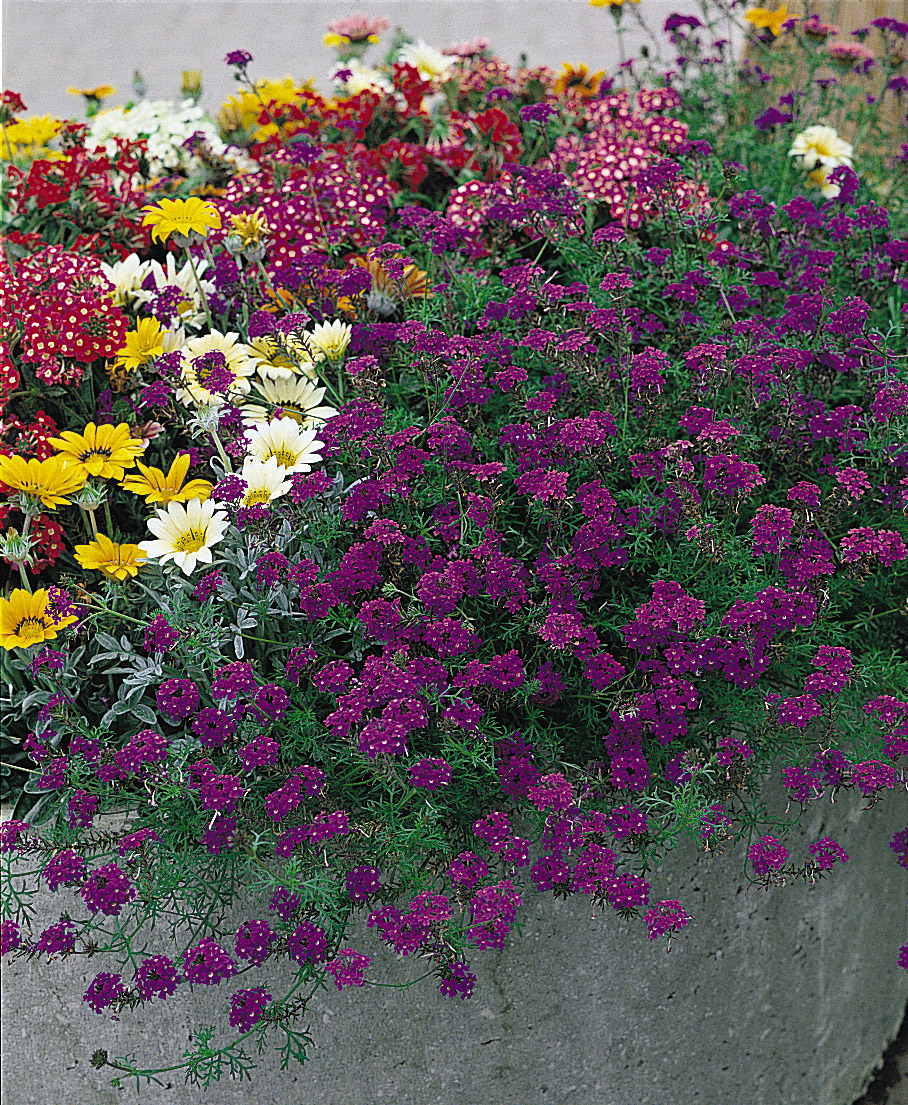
x=108, y=520
x=198, y=284
x=24, y=577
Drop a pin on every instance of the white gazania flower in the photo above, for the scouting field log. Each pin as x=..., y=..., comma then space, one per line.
x=273, y=365
x=821, y=146
x=126, y=276
x=185, y=534
x=190, y=308
x=265, y=481
x=360, y=78
x=298, y=398
x=429, y=61
x=284, y=439
x=239, y=363
x=330, y=339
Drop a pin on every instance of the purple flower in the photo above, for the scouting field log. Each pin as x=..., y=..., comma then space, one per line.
x=899, y=845
x=549, y=871
x=666, y=917
x=178, y=698
x=625, y=821
x=107, y=890
x=253, y=941
x=232, y=680
x=284, y=903
x=219, y=837
x=768, y=855
x=10, y=938
x=156, y=977
x=208, y=585
x=160, y=636
x=239, y=58
x=10, y=831
x=538, y=113
x=82, y=808
x=66, y=868
x=213, y=727
x=457, y=980
x=104, y=991
x=467, y=870
x=261, y=752
x=627, y=892
x=134, y=841
x=247, y=1007
x=552, y=792
x=826, y=852
x=222, y=793
x=362, y=882
x=207, y=963
x=871, y=776
x=348, y=968
x=59, y=939
x=307, y=944
x=798, y=711
x=430, y=773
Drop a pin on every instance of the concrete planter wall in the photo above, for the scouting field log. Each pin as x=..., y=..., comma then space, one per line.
x=781, y=997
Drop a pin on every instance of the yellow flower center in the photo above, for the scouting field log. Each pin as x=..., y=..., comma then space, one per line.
x=283, y=456
x=97, y=451
x=253, y=498
x=32, y=627
x=191, y=541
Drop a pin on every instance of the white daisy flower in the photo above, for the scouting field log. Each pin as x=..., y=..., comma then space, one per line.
x=126, y=276
x=820, y=145
x=330, y=339
x=239, y=363
x=265, y=481
x=185, y=534
x=284, y=439
x=360, y=78
x=298, y=398
x=429, y=61
x=190, y=309
x=273, y=365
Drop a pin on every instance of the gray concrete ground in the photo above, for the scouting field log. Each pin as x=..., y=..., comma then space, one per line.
x=781, y=997
x=49, y=45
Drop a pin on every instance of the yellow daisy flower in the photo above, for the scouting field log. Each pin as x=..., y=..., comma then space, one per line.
x=763, y=19
x=113, y=560
x=182, y=217
x=24, y=620
x=158, y=488
x=143, y=343
x=49, y=480
x=104, y=451
x=609, y=3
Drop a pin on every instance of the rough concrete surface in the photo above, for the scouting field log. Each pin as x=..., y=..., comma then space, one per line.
x=49, y=45
x=781, y=997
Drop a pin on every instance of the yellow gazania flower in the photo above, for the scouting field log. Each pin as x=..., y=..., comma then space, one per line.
x=49, y=480
x=143, y=343
x=158, y=488
x=104, y=451
x=609, y=3
x=29, y=134
x=180, y=216
x=577, y=80
x=251, y=228
x=113, y=560
x=100, y=92
x=24, y=620
x=764, y=19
